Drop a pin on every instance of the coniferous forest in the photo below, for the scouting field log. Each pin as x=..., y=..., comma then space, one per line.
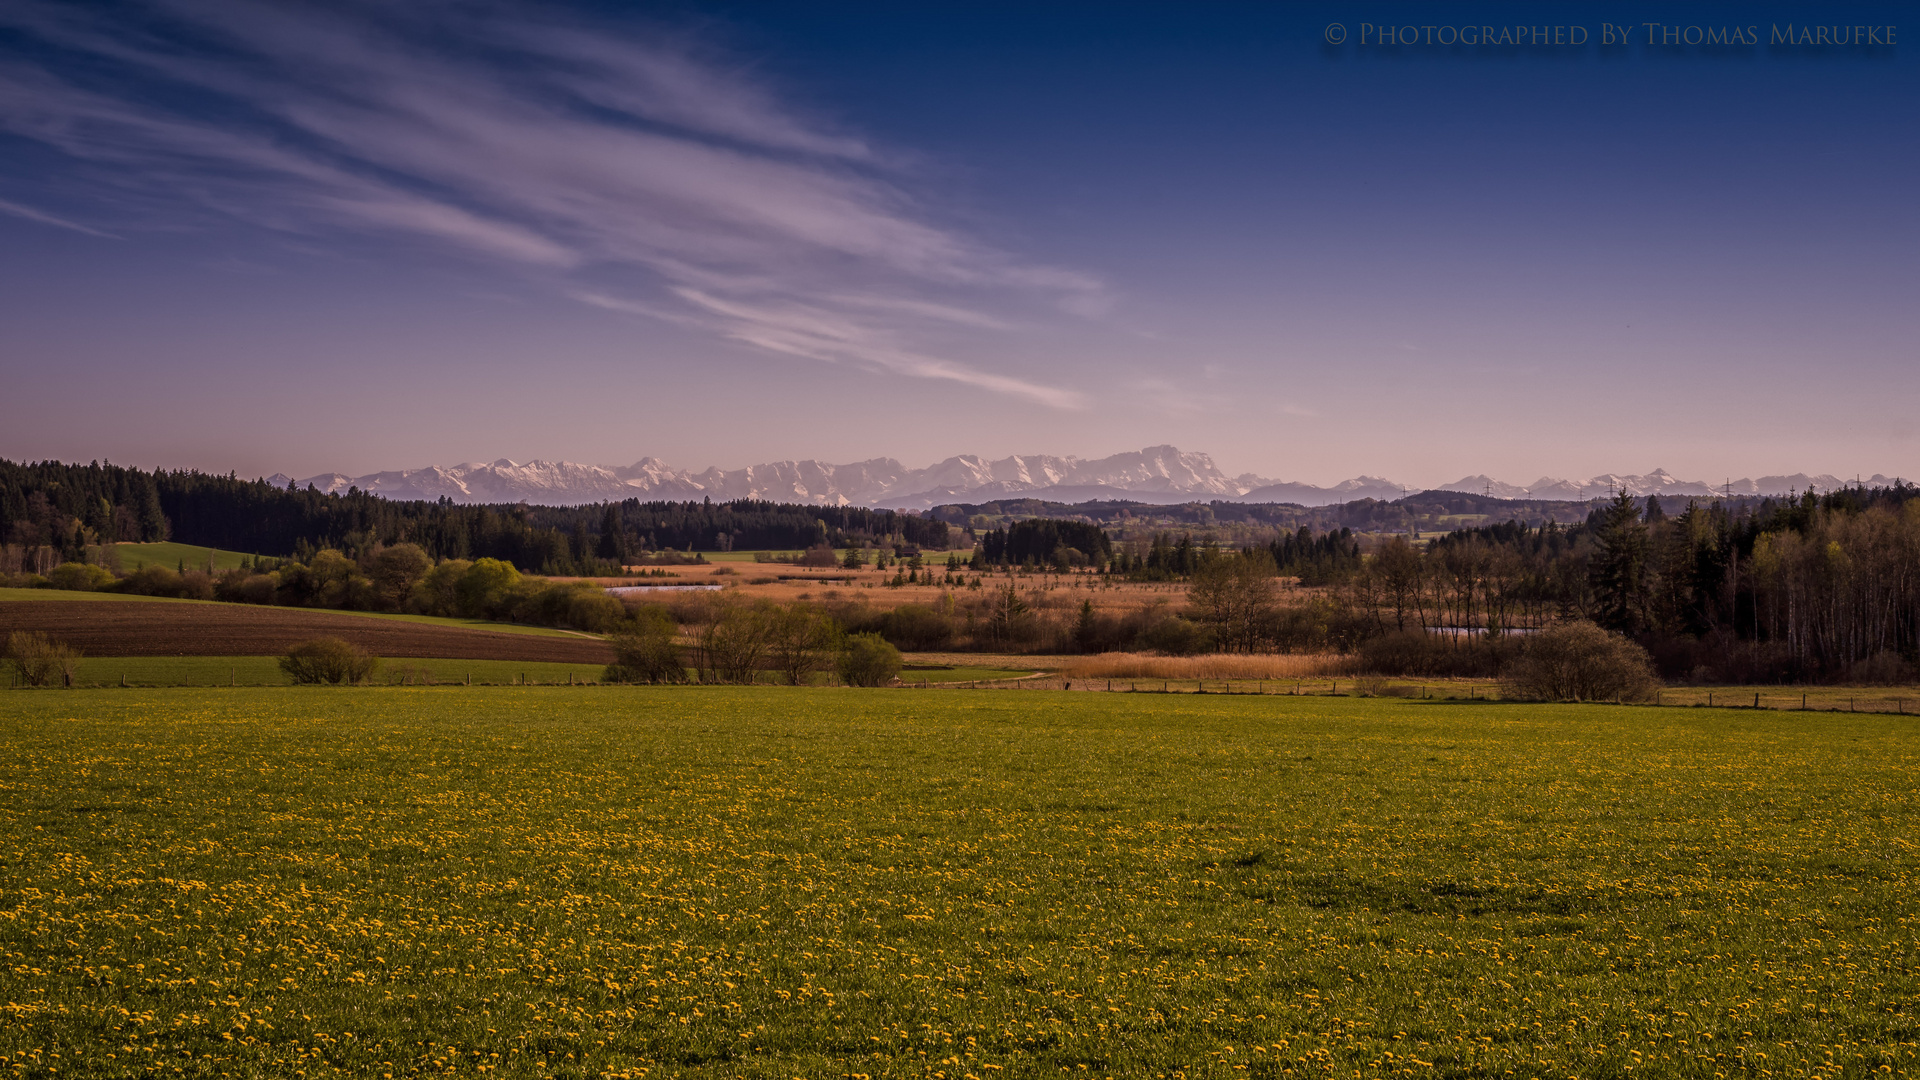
x=67, y=507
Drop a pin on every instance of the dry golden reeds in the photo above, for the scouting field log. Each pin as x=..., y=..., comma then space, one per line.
x=1118, y=665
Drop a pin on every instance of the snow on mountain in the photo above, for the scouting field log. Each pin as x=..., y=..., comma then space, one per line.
x=1360, y=487
x=1156, y=474
x=1156, y=470
x=1657, y=482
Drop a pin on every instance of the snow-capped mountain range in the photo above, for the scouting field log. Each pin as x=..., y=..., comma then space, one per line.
x=1157, y=474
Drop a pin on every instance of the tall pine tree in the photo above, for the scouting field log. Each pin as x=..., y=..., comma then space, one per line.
x=1618, y=572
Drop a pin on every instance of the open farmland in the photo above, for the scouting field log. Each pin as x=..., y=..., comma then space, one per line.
x=779, y=883
x=171, y=555
x=148, y=628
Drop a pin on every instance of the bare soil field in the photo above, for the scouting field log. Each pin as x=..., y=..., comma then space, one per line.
x=125, y=628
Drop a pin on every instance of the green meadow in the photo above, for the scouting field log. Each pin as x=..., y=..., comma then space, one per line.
x=174, y=556
x=178, y=671
x=765, y=882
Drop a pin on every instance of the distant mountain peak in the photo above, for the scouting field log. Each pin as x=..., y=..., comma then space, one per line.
x=1153, y=474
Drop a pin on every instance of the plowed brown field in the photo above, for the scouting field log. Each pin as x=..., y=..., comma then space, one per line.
x=106, y=628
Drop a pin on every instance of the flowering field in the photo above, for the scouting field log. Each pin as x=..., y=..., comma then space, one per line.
x=776, y=883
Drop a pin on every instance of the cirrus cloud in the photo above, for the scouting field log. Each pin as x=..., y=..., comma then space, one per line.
x=576, y=153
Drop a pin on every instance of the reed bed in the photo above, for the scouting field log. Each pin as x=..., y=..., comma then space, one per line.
x=1119, y=665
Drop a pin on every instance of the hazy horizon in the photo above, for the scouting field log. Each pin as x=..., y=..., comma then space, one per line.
x=352, y=238
x=915, y=466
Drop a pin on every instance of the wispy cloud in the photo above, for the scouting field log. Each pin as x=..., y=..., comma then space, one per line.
x=45, y=218
x=584, y=154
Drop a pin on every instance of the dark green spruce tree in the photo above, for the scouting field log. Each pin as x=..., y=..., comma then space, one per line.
x=1619, y=571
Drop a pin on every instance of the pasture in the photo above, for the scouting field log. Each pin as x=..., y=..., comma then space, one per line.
x=759, y=882
x=174, y=556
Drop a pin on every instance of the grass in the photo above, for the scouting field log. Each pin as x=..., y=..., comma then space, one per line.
x=721, y=882
x=944, y=674
x=429, y=620
x=265, y=671
x=744, y=556
x=173, y=556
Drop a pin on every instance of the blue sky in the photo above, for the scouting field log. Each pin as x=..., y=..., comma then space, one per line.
x=296, y=238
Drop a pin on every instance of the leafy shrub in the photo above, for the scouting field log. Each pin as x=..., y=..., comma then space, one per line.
x=39, y=660
x=328, y=660
x=160, y=581
x=1175, y=636
x=484, y=589
x=438, y=593
x=1579, y=661
x=644, y=651
x=868, y=660
x=246, y=587
x=79, y=577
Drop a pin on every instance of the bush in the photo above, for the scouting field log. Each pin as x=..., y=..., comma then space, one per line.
x=1581, y=662
x=918, y=628
x=485, y=588
x=1403, y=652
x=328, y=660
x=643, y=651
x=246, y=587
x=39, y=660
x=160, y=581
x=79, y=577
x=1881, y=669
x=1175, y=636
x=868, y=660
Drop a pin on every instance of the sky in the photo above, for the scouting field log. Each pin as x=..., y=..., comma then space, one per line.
x=314, y=237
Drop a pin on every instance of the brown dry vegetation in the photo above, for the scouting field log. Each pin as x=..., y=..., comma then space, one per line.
x=1215, y=666
x=784, y=584
x=127, y=628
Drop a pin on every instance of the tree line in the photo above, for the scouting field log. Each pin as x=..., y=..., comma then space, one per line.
x=66, y=508
x=1819, y=587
